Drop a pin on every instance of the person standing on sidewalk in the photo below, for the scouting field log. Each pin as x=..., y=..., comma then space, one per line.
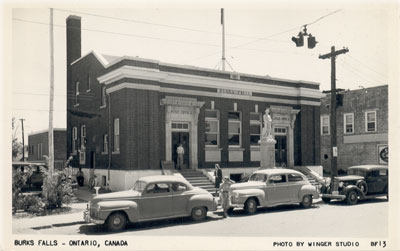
x=218, y=176
x=225, y=194
x=180, y=151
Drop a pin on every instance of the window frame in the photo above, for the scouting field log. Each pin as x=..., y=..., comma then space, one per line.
x=240, y=129
x=322, y=124
x=105, y=144
x=345, y=123
x=366, y=120
x=89, y=86
x=77, y=84
x=212, y=119
x=74, y=142
x=103, y=98
x=83, y=136
x=255, y=122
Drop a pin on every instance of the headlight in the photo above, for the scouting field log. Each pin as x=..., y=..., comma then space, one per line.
x=341, y=184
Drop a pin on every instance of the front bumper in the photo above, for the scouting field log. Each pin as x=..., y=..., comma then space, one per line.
x=334, y=196
x=88, y=219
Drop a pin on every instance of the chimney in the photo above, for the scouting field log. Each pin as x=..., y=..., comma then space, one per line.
x=73, y=39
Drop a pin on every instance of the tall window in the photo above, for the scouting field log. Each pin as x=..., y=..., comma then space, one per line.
x=212, y=127
x=348, y=121
x=77, y=93
x=370, y=121
x=116, y=135
x=234, y=129
x=103, y=97
x=83, y=137
x=88, y=83
x=105, y=143
x=74, y=139
x=255, y=128
x=325, y=125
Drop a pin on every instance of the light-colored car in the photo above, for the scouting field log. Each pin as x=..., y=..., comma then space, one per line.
x=272, y=187
x=151, y=198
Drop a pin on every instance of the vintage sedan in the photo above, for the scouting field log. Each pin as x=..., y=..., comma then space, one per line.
x=272, y=187
x=151, y=198
x=361, y=182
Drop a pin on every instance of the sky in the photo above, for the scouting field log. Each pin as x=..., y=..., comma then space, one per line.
x=258, y=41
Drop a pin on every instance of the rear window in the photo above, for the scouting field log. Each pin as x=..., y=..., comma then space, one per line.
x=258, y=177
x=358, y=172
x=281, y=178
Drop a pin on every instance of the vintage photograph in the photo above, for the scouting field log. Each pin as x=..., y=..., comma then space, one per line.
x=254, y=126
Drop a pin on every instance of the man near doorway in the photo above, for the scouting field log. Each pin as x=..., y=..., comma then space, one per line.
x=180, y=151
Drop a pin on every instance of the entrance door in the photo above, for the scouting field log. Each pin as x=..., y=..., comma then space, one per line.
x=180, y=138
x=280, y=150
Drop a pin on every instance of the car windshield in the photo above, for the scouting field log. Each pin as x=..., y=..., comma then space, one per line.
x=258, y=177
x=358, y=172
x=139, y=186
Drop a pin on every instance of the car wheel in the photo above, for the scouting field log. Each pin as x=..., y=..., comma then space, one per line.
x=251, y=206
x=363, y=186
x=352, y=198
x=326, y=200
x=116, y=222
x=306, y=201
x=199, y=213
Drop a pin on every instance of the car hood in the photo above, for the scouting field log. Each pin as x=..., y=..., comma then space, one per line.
x=115, y=195
x=247, y=185
x=349, y=177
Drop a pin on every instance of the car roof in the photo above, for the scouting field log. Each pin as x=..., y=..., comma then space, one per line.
x=278, y=171
x=370, y=167
x=163, y=178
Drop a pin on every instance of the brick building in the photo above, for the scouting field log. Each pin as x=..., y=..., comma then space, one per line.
x=38, y=146
x=362, y=128
x=127, y=114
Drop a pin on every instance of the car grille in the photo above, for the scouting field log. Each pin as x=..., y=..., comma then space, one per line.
x=93, y=212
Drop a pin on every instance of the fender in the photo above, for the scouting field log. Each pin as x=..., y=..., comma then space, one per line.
x=201, y=200
x=308, y=189
x=352, y=187
x=252, y=192
x=129, y=207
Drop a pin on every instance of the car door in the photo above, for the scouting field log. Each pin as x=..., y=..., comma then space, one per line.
x=276, y=189
x=180, y=198
x=295, y=182
x=381, y=181
x=156, y=201
x=371, y=179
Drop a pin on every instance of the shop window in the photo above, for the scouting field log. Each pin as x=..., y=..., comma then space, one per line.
x=212, y=127
x=234, y=129
x=76, y=93
x=105, y=143
x=255, y=128
x=348, y=121
x=325, y=125
x=74, y=139
x=103, y=97
x=116, y=135
x=370, y=121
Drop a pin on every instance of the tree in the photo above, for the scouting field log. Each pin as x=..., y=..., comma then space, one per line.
x=16, y=146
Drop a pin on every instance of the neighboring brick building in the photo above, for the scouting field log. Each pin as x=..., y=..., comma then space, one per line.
x=38, y=146
x=362, y=128
x=127, y=114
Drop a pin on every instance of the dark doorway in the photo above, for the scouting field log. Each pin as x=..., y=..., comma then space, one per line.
x=92, y=159
x=180, y=138
x=280, y=151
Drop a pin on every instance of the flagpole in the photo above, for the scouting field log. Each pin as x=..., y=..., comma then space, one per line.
x=223, y=38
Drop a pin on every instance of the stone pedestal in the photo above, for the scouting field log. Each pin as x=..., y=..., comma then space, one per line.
x=267, y=152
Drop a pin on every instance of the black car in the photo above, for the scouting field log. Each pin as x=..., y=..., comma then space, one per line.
x=360, y=183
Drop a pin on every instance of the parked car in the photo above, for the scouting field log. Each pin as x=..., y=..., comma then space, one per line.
x=361, y=182
x=35, y=179
x=272, y=187
x=151, y=198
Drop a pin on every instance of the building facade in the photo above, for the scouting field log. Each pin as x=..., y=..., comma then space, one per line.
x=127, y=114
x=362, y=128
x=38, y=146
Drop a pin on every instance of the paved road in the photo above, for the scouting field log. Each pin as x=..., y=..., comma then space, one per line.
x=367, y=219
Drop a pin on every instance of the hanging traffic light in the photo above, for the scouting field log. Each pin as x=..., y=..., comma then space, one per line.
x=311, y=42
x=299, y=40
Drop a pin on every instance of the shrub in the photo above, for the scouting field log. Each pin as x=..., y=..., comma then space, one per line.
x=57, y=189
x=19, y=179
x=33, y=204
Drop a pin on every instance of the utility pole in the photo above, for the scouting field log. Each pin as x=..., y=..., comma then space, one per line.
x=23, y=140
x=223, y=38
x=332, y=55
x=51, y=140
